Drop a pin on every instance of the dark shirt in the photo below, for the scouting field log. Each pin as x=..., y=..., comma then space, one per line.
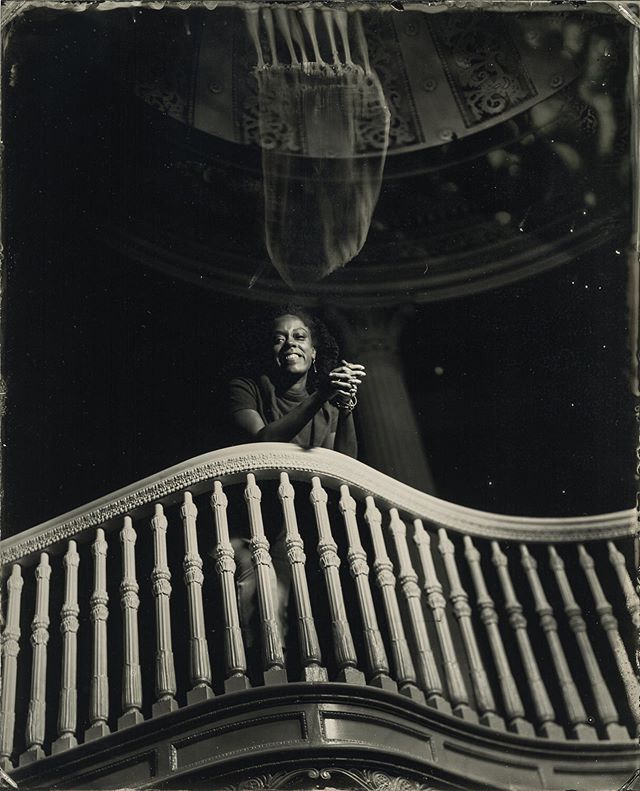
x=260, y=395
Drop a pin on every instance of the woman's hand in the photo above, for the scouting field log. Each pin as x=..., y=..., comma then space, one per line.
x=343, y=382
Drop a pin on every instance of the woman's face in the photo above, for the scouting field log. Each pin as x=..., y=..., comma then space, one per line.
x=293, y=349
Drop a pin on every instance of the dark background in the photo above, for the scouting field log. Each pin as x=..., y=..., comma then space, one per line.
x=115, y=371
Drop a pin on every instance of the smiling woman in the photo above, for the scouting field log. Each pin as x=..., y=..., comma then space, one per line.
x=302, y=395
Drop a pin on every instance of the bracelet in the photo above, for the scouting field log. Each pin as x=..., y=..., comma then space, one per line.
x=349, y=406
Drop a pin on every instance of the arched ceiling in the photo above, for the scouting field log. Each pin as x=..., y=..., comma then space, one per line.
x=508, y=153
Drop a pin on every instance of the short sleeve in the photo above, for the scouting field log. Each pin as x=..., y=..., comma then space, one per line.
x=243, y=394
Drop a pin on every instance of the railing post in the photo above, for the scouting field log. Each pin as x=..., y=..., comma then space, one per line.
x=309, y=646
x=99, y=695
x=631, y=597
x=343, y=647
x=272, y=654
x=462, y=611
x=69, y=624
x=130, y=602
x=376, y=656
x=385, y=578
x=436, y=602
x=199, y=662
x=605, y=706
x=10, y=651
x=610, y=625
x=235, y=658
x=161, y=586
x=426, y=666
x=39, y=638
x=545, y=714
x=576, y=713
x=514, y=709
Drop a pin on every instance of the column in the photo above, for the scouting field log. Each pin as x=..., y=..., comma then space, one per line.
x=388, y=429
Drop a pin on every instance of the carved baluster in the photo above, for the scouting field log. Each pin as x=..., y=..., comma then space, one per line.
x=605, y=707
x=272, y=653
x=39, y=639
x=199, y=662
x=69, y=624
x=235, y=658
x=386, y=581
x=513, y=707
x=10, y=651
x=99, y=695
x=610, y=625
x=576, y=713
x=545, y=714
x=437, y=604
x=377, y=663
x=344, y=649
x=462, y=611
x=631, y=597
x=161, y=585
x=309, y=645
x=130, y=601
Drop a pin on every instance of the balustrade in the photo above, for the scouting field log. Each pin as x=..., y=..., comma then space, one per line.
x=431, y=633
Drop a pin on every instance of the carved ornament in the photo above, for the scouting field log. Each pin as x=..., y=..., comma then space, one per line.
x=333, y=778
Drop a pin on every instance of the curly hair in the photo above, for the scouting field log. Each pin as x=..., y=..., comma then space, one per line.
x=327, y=351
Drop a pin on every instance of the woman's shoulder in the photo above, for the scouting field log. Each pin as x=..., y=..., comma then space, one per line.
x=243, y=383
x=244, y=393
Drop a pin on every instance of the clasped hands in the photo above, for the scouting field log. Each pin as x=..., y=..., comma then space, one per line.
x=343, y=383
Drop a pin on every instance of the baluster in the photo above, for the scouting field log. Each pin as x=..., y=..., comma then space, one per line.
x=199, y=662
x=544, y=711
x=309, y=645
x=99, y=694
x=10, y=651
x=39, y=639
x=386, y=581
x=235, y=659
x=514, y=709
x=272, y=653
x=437, y=604
x=130, y=601
x=69, y=624
x=576, y=713
x=343, y=647
x=631, y=597
x=610, y=625
x=605, y=706
x=376, y=656
x=462, y=611
x=161, y=586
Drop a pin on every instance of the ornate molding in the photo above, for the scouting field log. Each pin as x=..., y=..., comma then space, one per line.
x=361, y=779
x=267, y=460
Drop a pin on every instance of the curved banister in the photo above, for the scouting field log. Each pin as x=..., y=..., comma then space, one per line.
x=262, y=459
x=408, y=556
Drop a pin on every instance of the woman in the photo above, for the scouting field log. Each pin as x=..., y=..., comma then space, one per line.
x=302, y=396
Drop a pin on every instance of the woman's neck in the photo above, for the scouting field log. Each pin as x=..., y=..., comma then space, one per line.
x=293, y=385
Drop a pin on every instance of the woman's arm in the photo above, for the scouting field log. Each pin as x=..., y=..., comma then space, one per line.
x=285, y=428
x=345, y=440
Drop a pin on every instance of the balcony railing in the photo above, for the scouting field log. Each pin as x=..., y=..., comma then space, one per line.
x=515, y=629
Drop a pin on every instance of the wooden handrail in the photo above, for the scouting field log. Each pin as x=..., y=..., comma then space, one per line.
x=267, y=460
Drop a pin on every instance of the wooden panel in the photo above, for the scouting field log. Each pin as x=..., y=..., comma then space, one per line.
x=240, y=737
